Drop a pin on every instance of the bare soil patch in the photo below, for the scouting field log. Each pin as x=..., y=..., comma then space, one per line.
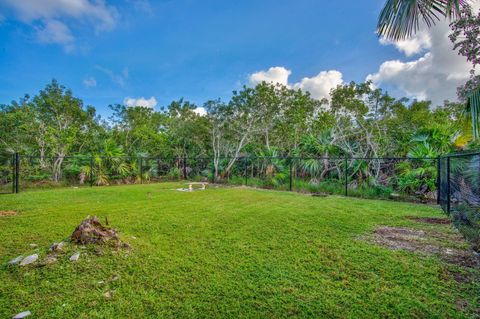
x=431, y=220
x=8, y=213
x=427, y=243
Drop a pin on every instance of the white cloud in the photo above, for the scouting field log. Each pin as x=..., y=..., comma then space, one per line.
x=50, y=18
x=54, y=31
x=141, y=101
x=319, y=86
x=277, y=74
x=433, y=76
x=419, y=43
x=119, y=79
x=90, y=82
x=200, y=111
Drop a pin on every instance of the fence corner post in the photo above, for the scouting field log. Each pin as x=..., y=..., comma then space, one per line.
x=438, y=179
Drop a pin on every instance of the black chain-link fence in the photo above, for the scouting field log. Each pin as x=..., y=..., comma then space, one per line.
x=452, y=181
x=396, y=178
x=7, y=173
x=460, y=193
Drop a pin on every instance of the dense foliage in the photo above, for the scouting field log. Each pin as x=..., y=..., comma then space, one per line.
x=61, y=140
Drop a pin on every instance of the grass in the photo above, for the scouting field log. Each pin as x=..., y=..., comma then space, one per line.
x=222, y=253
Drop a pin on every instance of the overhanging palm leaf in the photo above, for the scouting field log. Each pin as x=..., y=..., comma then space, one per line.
x=473, y=108
x=400, y=19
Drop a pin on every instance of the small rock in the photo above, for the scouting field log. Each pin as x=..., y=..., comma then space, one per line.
x=449, y=251
x=108, y=294
x=22, y=315
x=75, y=256
x=15, y=260
x=50, y=260
x=29, y=260
x=57, y=246
x=115, y=278
x=33, y=245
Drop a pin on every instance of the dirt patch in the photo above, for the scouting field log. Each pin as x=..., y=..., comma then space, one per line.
x=431, y=220
x=91, y=231
x=7, y=213
x=427, y=243
x=320, y=194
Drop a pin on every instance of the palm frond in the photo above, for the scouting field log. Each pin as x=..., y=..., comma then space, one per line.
x=473, y=108
x=400, y=19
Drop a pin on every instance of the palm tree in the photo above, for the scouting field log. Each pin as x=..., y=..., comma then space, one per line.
x=401, y=19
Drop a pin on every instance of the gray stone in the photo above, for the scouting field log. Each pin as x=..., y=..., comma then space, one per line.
x=57, y=246
x=29, y=260
x=50, y=260
x=75, y=256
x=15, y=260
x=22, y=315
x=33, y=245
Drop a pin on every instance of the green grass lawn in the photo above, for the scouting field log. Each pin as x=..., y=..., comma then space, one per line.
x=223, y=253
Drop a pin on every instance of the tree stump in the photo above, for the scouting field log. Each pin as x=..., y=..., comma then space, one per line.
x=91, y=231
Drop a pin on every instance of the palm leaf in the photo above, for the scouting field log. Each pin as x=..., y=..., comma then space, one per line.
x=473, y=107
x=400, y=19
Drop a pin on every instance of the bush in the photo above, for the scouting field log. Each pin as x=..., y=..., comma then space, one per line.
x=174, y=173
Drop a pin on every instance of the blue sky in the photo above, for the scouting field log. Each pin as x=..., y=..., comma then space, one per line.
x=107, y=51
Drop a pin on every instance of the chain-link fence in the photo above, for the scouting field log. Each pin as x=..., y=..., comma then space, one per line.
x=452, y=181
x=7, y=173
x=460, y=193
x=395, y=178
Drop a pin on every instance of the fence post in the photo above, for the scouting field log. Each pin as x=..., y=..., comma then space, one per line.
x=13, y=173
x=91, y=171
x=290, y=163
x=184, y=166
x=346, y=177
x=438, y=180
x=245, y=170
x=448, y=185
x=141, y=170
x=17, y=173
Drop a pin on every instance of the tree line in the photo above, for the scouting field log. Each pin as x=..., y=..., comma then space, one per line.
x=268, y=120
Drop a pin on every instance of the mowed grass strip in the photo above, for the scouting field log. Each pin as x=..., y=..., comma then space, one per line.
x=226, y=252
